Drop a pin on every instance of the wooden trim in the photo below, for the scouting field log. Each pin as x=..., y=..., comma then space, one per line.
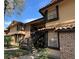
x=53, y=48
x=46, y=36
x=57, y=10
x=41, y=13
x=46, y=16
x=54, y=19
x=17, y=28
x=58, y=41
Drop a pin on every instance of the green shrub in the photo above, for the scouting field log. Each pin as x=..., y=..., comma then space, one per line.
x=7, y=40
x=42, y=54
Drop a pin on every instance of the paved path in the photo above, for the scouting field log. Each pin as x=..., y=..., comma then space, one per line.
x=26, y=57
x=11, y=49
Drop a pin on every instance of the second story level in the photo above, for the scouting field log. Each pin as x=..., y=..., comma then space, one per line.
x=56, y=12
x=15, y=26
x=59, y=11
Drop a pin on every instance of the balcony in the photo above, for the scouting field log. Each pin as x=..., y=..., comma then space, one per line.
x=17, y=32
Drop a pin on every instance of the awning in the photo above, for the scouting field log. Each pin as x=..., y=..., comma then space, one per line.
x=60, y=26
x=68, y=25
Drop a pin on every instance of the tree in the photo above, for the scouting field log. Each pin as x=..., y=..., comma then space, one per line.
x=11, y=6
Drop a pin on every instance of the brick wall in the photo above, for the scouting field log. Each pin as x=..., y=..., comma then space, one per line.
x=67, y=45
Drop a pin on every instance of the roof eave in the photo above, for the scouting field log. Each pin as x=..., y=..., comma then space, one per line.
x=49, y=6
x=14, y=24
x=35, y=21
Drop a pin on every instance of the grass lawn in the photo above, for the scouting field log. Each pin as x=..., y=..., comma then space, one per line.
x=15, y=53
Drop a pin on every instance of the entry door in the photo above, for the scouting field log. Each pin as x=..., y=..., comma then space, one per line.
x=67, y=45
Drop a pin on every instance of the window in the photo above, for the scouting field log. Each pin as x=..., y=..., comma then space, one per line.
x=53, y=40
x=52, y=14
x=20, y=27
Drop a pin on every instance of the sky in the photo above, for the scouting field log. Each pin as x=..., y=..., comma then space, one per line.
x=30, y=12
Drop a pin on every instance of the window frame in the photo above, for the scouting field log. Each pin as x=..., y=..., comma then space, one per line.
x=51, y=14
x=57, y=14
x=58, y=42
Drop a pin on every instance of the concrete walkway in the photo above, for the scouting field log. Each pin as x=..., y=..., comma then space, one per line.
x=11, y=49
x=26, y=57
